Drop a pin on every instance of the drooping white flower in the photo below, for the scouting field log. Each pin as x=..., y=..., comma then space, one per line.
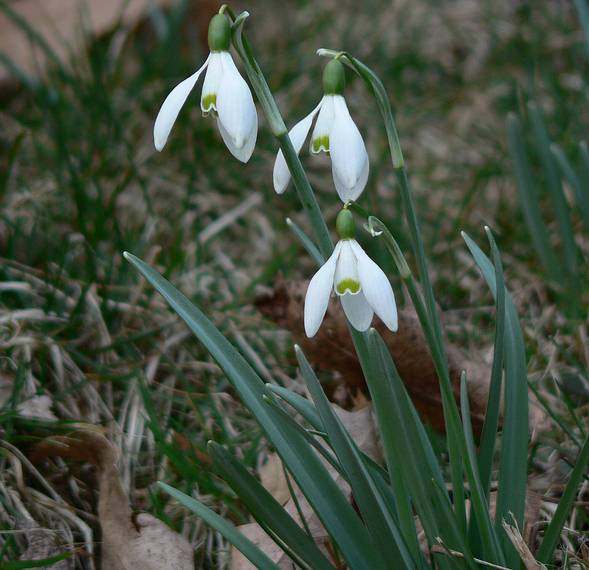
x=335, y=133
x=224, y=92
x=359, y=282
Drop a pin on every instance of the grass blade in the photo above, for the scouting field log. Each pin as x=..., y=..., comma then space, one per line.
x=243, y=544
x=266, y=509
x=552, y=534
x=491, y=422
x=581, y=194
x=554, y=185
x=529, y=200
x=513, y=471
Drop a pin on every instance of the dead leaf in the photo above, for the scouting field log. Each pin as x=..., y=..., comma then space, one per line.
x=522, y=548
x=31, y=405
x=361, y=426
x=128, y=542
x=331, y=349
x=42, y=545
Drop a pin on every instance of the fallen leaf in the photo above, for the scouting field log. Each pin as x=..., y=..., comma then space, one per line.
x=128, y=543
x=42, y=545
x=332, y=349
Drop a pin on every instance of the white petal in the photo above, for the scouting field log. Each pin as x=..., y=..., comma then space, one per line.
x=376, y=288
x=349, y=159
x=346, y=279
x=171, y=107
x=358, y=311
x=321, y=133
x=237, y=116
x=297, y=135
x=210, y=86
x=318, y=292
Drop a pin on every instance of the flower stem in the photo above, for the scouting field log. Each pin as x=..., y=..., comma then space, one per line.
x=278, y=128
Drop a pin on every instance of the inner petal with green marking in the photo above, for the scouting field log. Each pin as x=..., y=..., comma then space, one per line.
x=348, y=285
x=209, y=102
x=321, y=144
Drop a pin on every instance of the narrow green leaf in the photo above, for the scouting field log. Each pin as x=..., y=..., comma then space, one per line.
x=583, y=12
x=552, y=534
x=243, y=544
x=513, y=473
x=328, y=501
x=300, y=404
x=581, y=193
x=305, y=240
x=529, y=200
x=554, y=185
x=388, y=541
x=406, y=451
x=266, y=509
x=491, y=422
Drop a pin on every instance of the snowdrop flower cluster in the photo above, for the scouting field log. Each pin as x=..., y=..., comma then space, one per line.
x=224, y=93
x=335, y=133
x=360, y=284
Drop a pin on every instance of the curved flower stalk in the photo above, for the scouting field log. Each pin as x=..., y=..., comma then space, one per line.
x=224, y=93
x=359, y=282
x=335, y=133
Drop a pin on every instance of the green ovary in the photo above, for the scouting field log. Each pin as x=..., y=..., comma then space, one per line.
x=209, y=102
x=321, y=143
x=348, y=284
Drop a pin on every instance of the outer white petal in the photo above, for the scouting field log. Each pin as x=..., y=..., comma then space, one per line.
x=349, y=159
x=237, y=116
x=210, y=86
x=323, y=126
x=376, y=288
x=346, y=271
x=358, y=311
x=318, y=292
x=171, y=107
x=297, y=135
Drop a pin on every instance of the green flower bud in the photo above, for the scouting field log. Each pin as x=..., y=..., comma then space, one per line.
x=345, y=225
x=334, y=78
x=219, y=33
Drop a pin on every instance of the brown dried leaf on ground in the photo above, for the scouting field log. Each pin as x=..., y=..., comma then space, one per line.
x=361, y=426
x=332, y=350
x=128, y=542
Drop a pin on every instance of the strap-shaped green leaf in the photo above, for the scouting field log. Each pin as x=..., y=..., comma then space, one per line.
x=326, y=498
x=266, y=509
x=243, y=544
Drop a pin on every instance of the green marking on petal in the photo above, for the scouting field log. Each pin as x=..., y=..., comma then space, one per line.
x=348, y=284
x=321, y=144
x=209, y=102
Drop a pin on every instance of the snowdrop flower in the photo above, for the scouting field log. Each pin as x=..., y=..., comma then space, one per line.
x=335, y=133
x=224, y=92
x=361, y=284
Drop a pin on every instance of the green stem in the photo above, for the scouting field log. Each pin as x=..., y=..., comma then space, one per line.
x=457, y=445
x=278, y=128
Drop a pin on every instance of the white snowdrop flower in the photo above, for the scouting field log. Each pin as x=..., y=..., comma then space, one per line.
x=224, y=92
x=359, y=282
x=335, y=133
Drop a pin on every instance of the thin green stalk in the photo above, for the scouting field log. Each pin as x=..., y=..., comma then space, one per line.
x=451, y=415
x=278, y=128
